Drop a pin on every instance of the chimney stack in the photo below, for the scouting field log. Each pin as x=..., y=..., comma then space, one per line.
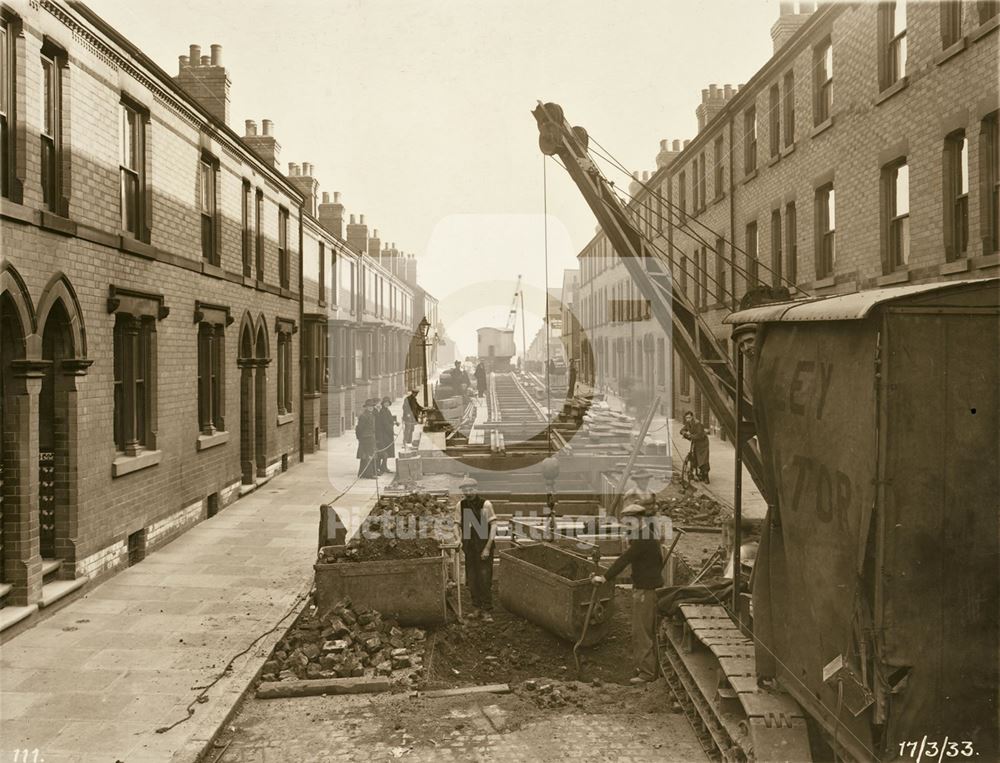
x=304, y=182
x=410, y=270
x=206, y=80
x=263, y=144
x=331, y=215
x=713, y=100
x=375, y=247
x=357, y=235
x=666, y=156
x=634, y=186
x=789, y=21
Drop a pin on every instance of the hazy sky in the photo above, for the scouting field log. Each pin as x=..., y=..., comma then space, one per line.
x=418, y=111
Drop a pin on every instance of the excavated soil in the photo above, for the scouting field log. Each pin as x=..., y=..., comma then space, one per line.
x=512, y=650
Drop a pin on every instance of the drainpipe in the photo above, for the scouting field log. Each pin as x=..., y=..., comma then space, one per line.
x=302, y=334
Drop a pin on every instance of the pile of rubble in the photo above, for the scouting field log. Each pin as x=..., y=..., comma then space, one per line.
x=692, y=509
x=410, y=526
x=345, y=643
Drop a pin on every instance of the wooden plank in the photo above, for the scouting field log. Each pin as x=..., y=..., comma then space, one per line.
x=317, y=686
x=738, y=666
x=707, y=611
x=487, y=689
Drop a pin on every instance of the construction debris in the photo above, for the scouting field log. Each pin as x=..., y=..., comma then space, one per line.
x=346, y=643
x=409, y=526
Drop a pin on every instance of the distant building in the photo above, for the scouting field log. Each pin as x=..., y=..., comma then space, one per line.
x=495, y=348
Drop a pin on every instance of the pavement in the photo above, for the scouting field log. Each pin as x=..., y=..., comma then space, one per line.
x=99, y=678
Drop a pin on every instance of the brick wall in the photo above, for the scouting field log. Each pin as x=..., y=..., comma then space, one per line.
x=945, y=90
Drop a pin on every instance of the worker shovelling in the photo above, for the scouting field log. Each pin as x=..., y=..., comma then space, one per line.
x=645, y=531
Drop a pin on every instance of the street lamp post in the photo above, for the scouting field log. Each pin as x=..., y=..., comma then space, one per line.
x=424, y=327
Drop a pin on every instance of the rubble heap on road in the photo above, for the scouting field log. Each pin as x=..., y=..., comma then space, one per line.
x=346, y=643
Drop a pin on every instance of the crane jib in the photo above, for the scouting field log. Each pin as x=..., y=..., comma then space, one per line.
x=711, y=367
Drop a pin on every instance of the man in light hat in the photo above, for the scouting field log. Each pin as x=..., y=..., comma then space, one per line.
x=479, y=531
x=643, y=553
x=639, y=492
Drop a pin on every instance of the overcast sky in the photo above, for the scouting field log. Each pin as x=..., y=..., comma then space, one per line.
x=418, y=112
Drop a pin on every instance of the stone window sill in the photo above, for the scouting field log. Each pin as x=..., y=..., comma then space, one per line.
x=896, y=87
x=889, y=279
x=825, y=283
x=749, y=176
x=211, y=269
x=206, y=441
x=788, y=149
x=822, y=127
x=123, y=465
x=774, y=159
x=987, y=260
x=285, y=418
x=53, y=222
x=955, y=266
x=985, y=28
x=950, y=52
x=127, y=243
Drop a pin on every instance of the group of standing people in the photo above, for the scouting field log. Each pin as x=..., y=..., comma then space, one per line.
x=376, y=433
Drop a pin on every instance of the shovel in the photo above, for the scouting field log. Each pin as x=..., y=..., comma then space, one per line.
x=590, y=610
x=586, y=624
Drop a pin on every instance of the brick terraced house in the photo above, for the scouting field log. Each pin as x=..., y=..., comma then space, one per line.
x=863, y=154
x=179, y=319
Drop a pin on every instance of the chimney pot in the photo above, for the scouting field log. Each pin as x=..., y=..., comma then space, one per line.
x=361, y=220
x=267, y=126
x=182, y=61
x=677, y=145
x=375, y=233
x=664, y=145
x=686, y=143
x=195, y=54
x=727, y=90
x=206, y=60
x=216, y=55
x=251, y=126
x=645, y=175
x=336, y=197
x=352, y=219
x=713, y=91
x=293, y=168
x=704, y=95
x=326, y=197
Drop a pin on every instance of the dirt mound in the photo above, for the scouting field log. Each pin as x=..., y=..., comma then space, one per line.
x=511, y=650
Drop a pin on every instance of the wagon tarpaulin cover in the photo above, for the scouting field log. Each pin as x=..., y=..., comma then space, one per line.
x=905, y=572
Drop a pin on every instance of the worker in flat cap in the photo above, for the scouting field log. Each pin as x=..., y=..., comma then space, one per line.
x=364, y=430
x=479, y=529
x=643, y=554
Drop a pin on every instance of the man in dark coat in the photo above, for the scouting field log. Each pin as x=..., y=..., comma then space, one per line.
x=385, y=436
x=643, y=553
x=481, y=379
x=364, y=430
x=478, y=535
x=695, y=431
x=412, y=411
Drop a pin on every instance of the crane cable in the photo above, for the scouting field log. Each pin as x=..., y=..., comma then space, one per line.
x=545, y=321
